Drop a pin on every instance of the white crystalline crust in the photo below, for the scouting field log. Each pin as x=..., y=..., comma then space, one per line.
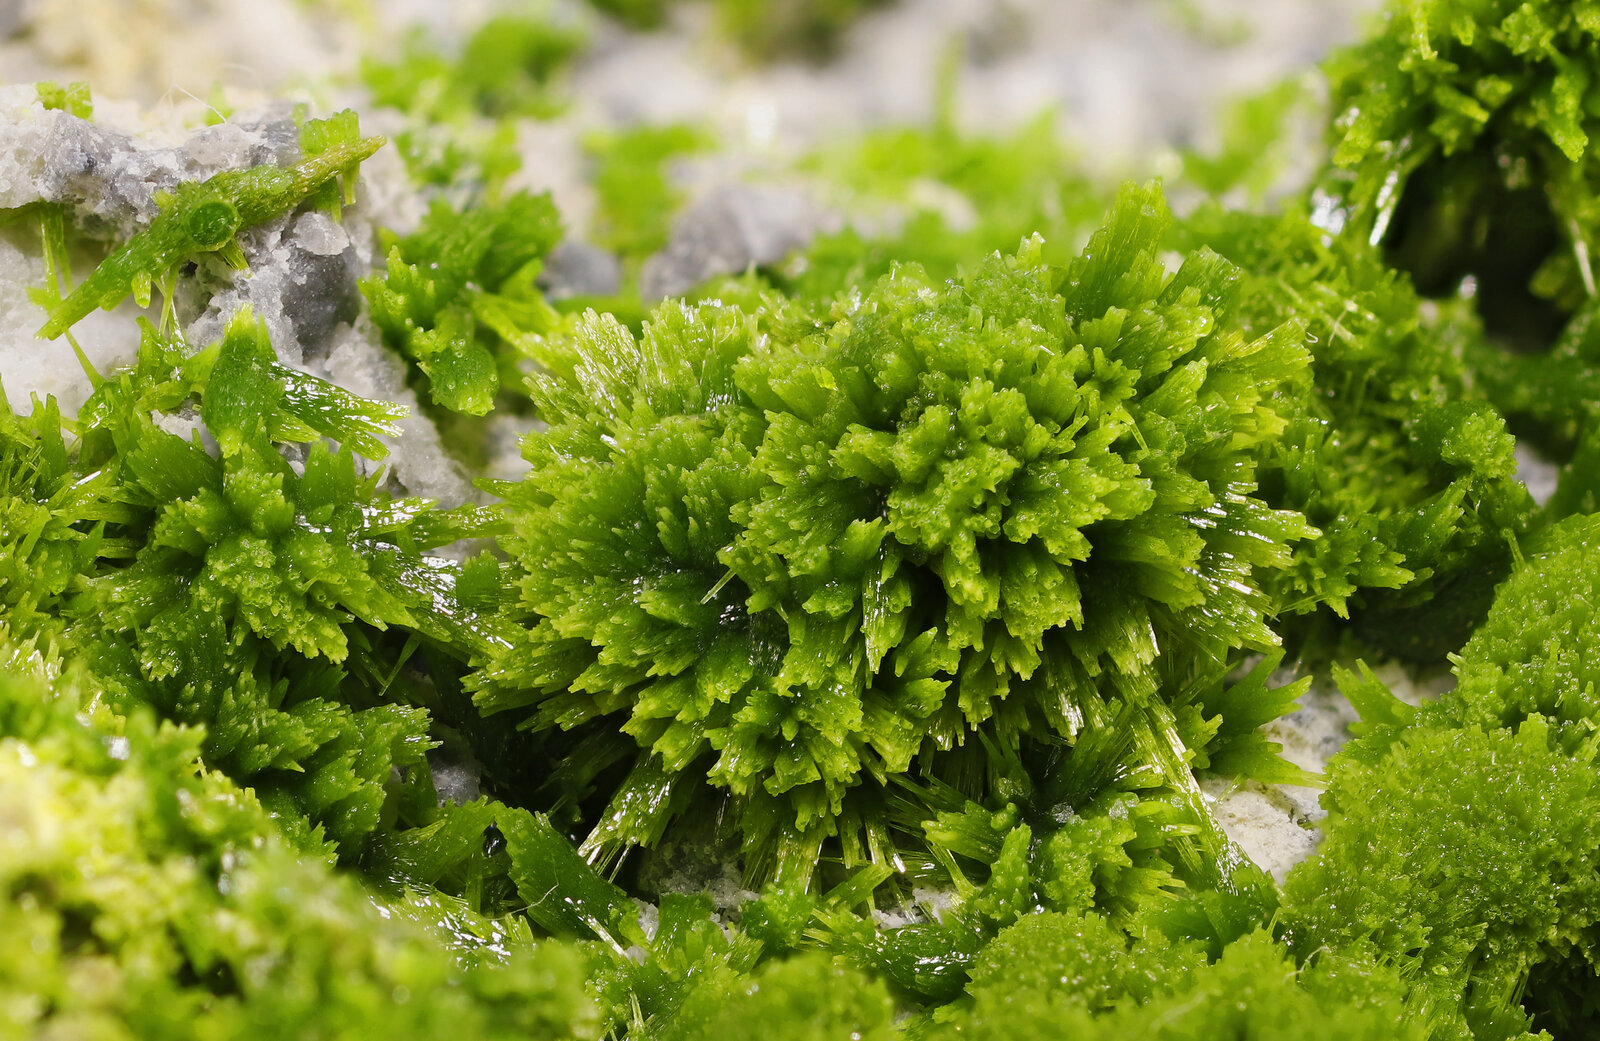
x=29, y=366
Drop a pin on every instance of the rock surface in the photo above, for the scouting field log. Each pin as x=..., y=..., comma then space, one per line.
x=730, y=228
x=575, y=268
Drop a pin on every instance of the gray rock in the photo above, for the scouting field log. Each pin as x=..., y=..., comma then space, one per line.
x=269, y=137
x=274, y=134
x=302, y=281
x=576, y=268
x=107, y=179
x=104, y=177
x=320, y=289
x=303, y=270
x=726, y=231
x=419, y=463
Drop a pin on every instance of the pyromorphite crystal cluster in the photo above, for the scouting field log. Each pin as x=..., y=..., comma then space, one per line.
x=897, y=597
x=1478, y=865
x=1395, y=454
x=1461, y=139
x=147, y=897
x=792, y=563
x=231, y=589
x=458, y=292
